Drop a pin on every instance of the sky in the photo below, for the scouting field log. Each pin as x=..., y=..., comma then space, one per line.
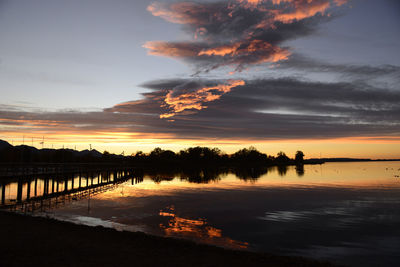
x=320, y=76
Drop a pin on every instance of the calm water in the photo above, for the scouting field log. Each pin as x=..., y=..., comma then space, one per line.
x=348, y=213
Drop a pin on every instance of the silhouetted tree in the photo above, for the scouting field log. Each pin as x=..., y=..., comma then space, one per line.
x=299, y=158
x=156, y=153
x=139, y=154
x=158, y=159
x=250, y=156
x=282, y=158
x=106, y=155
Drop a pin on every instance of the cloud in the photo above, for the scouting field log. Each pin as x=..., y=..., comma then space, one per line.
x=262, y=109
x=348, y=100
x=180, y=98
x=301, y=9
x=299, y=62
x=289, y=108
x=240, y=33
x=174, y=50
x=170, y=98
x=183, y=12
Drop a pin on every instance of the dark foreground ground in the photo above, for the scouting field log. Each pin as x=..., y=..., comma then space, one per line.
x=29, y=241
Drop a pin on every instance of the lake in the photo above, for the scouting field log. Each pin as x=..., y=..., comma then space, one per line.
x=346, y=213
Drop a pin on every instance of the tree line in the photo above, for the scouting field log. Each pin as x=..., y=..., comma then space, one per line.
x=194, y=156
x=205, y=156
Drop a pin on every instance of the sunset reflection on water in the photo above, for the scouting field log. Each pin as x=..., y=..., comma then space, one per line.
x=369, y=175
x=197, y=230
x=335, y=211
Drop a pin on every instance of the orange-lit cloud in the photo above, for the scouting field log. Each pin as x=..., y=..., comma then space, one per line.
x=181, y=13
x=239, y=54
x=159, y=48
x=196, y=99
x=250, y=3
x=242, y=54
x=302, y=10
x=340, y=2
x=268, y=52
x=236, y=34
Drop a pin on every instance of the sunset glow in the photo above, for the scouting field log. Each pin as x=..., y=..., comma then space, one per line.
x=264, y=132
x=254, y=73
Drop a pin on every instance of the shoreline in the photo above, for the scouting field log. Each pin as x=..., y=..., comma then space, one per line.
x=15, y=170
x=38, y=241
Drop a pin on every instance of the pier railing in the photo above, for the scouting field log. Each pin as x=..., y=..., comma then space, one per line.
x=23, y=169
x=44, y=192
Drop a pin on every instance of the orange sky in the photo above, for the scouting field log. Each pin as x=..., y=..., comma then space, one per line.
x=118, y=142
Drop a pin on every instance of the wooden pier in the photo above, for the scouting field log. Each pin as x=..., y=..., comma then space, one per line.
x=47, y=191
x=34, y=169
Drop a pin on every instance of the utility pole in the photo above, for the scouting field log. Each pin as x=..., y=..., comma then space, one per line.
x=42, y=142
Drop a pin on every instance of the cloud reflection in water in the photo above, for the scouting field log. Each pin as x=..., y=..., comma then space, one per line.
x=197, y=229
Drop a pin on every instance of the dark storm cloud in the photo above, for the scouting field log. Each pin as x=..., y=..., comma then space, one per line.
x=263, y=109
x=347, y=103
x=238, y=33
x=288, y=108
x=285, y=108
x=299, y=62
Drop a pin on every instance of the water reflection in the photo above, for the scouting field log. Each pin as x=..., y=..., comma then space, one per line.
x=78, y=186
x=250, y=174
x=347, y=213
x=201, y=176
x=213, y=175
x=300, y=170
x=282, y=170
x=197, y=230
x=48, y=192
